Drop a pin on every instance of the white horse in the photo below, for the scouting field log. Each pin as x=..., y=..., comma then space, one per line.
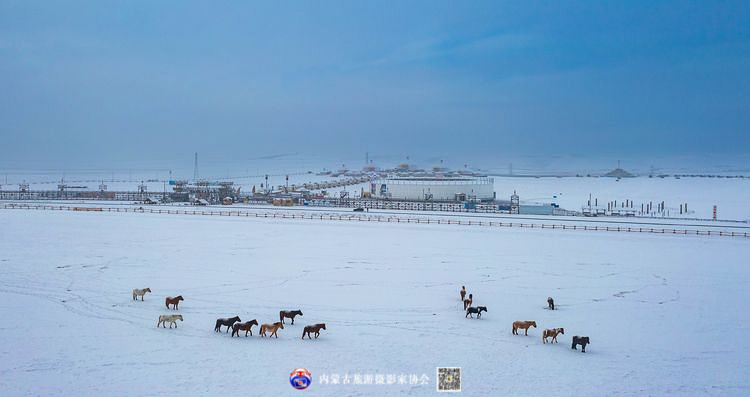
x=169, y=318
x=140, y=292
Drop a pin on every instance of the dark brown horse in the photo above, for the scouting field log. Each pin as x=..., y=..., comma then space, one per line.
x=237, y=327
x=468, y=301
x=580, y=340
x=226, y=321
x=173, y=301
x=289, y=314
x=550, y=303
x=314, y=329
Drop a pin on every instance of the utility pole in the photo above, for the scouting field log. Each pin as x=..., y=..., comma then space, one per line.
x=195, y=168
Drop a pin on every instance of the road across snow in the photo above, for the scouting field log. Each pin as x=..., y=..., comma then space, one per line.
x=663, y=312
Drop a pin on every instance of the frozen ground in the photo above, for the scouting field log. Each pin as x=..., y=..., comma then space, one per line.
x=664, y=313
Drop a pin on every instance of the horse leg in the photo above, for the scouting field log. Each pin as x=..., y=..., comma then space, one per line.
x=526, y=331
x=142, y=297
x=292, y=320
x=317, y=334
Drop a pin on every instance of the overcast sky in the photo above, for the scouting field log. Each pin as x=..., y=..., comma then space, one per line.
x=114, y=82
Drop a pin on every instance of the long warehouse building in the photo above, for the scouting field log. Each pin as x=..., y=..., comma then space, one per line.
x=454, y=189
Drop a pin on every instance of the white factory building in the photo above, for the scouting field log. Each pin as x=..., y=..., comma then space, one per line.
x=435, y=188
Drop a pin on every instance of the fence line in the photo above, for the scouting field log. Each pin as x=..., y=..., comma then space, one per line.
x=378, y=218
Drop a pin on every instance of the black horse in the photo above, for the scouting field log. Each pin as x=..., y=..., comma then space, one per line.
x=478, y=310
x=580, y=340
x=289, y=314
x=551, y=303
x=226, y=321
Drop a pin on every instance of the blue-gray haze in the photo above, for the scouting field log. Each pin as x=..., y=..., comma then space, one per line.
x=128, y=83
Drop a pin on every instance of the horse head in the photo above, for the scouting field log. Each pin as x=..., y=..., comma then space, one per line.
x=179, y=316
x=533, y=324
x=322, y=326
x=482, y=308
x=298, y=312
x=279, y=324
x=562, y=330
x=180, y=298
x=253, y=321
x=147, y=290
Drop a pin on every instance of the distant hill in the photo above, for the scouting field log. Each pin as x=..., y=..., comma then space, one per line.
x=619, y=173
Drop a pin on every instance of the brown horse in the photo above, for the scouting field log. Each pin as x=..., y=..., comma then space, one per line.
x=550, y=303
x=271, y=327
x=462, y=292
x=313, y=328
x=552, y=333
x=523, y=325
x=237, y=327
x=468, y=301
x=289, y=314
x=173, y=301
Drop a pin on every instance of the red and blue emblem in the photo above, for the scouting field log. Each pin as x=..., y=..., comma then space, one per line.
x=300, y=379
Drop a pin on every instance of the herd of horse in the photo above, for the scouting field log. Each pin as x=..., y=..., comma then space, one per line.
x=271, y=330
x=233, y=323
x=468, y=300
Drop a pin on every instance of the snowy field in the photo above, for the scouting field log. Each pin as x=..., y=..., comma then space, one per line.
x=663, y=312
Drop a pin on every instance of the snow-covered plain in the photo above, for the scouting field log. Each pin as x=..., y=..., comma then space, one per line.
x=664, y=313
